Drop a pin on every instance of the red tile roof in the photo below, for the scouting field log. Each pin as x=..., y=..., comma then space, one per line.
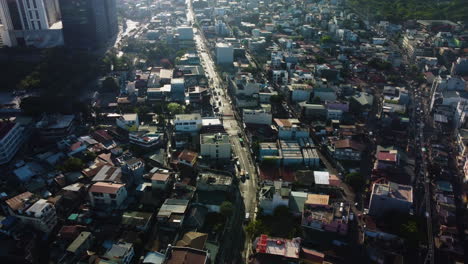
x=188, y=156
x=387, y=156
x=105, y=187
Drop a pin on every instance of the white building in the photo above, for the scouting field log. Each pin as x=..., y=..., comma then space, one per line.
x=246, y=85
x=215, y=146
x=188, y=122
x=185, y=32
x=129, y=122
x=290, y=129
x=32, y=211
x=224, y=53
x=11, y=139
x=107, y=194
x=257, y=116
x=300, y=92
x=31, y=23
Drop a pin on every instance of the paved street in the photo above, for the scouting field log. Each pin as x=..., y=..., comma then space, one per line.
x=231, y=125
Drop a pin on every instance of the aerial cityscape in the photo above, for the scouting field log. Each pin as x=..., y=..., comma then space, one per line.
x=233, y=131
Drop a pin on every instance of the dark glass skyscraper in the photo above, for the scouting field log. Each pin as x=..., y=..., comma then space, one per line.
x=89, y=24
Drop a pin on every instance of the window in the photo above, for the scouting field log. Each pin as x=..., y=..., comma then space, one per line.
x=112, y=196
x=37, y=14
x=34, y=3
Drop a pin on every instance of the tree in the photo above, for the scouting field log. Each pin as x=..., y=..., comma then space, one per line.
x=281, y=211
x=175, y=108
x=276, y=99
x=326, y=39
x=110, y=85
x=255, y=228
x=320, y=59
x=89, y=156
x=356, y=181
x=226, y=209
x=72, y=164
x=142, y=110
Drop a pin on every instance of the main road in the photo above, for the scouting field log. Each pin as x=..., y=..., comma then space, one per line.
x=232, y=126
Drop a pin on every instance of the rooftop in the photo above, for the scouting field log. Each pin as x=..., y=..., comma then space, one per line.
x=20, y=201
x=106, y=187
x=188, y=117
x=214, y=138
x=109, y=174
x=82, y=237
x=286, y=122
x=278, y=246
x=394, y=190
x=348, y=143
x=161, y=176
x=185, y=255
x=317, y=199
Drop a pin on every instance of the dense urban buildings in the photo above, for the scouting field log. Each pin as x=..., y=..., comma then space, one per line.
x=260, y=132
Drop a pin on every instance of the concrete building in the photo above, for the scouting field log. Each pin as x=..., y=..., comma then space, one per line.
x=245, y=85
x=257, y=116
x=188, y=122
x=54, y=127
x=320, y=214
x=290, y=129
x=89, y=24
x=82, y=243
x=290, y=152
x=185, y=32
x=224, y=53
x=390, y=197
x=346, y=149
x=120, y=253
x=30, y=23
x=11, y=139
x=277, y=250
x=146, y=137
x=311, y=111
x=334, y=114
x=270, y=197
x=107, y=195
x=178, y=89
x=215, y=146
x=129, y=122
x=160, y=180
x=38, y=213
x=300, y=92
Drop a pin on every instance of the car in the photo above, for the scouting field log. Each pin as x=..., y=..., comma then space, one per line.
x=247, y=176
